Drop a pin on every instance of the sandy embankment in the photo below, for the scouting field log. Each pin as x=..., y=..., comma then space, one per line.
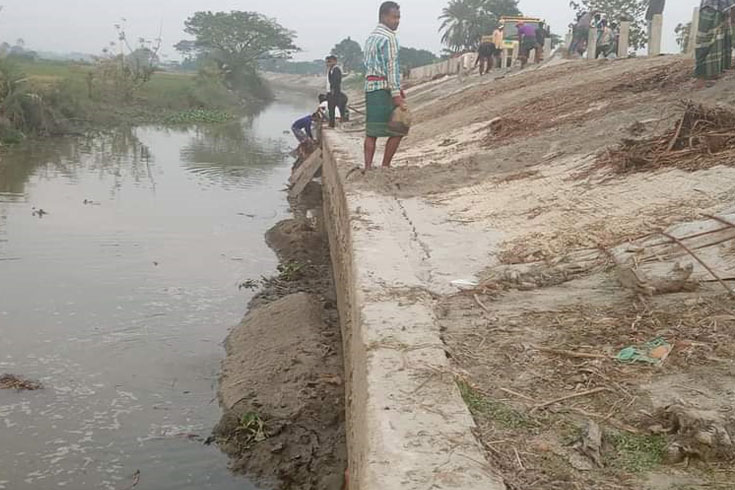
x=281, y=386
x=509, y=183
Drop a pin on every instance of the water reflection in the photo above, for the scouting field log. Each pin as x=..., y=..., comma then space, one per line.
x=119, y=154
x=230, y=152
x=120, y=307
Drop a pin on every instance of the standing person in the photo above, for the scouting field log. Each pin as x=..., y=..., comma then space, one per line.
x=605, y=40
x=383, y=92
x=581, y=33
x=713, y=52
x=499, y=43
x=485, y=55
x=526, y=40
x=335, y=98
x=541, y=34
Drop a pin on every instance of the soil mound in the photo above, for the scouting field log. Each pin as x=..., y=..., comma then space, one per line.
x=280, y=373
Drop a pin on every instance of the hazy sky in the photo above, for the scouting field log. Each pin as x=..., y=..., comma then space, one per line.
x=87, y=25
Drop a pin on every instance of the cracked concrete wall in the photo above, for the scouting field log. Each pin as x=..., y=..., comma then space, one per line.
x=407, y=426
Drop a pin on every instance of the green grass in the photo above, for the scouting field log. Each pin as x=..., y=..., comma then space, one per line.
x=481, y=406
x=637, y=453
x=252, y=428
x=168, y=98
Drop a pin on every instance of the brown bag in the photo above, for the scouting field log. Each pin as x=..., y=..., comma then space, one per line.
x=400, y=121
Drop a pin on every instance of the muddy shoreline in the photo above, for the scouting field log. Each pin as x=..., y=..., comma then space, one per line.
x=282, y=388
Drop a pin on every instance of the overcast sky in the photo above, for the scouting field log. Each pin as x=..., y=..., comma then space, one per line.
x=87, y=25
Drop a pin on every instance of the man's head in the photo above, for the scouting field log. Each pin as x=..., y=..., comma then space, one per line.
x=390, y=15
x=331, y=60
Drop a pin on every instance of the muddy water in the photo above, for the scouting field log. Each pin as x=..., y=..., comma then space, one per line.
x=120, y=305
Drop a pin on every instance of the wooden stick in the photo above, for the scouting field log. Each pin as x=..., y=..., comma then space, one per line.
x=477, y=300
x=721, y=220
x=701, y=262
x=569, y=353
x=519, y=395
x=569, y=397
x=518, y=458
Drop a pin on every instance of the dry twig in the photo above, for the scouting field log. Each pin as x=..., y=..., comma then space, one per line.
x=569, y=397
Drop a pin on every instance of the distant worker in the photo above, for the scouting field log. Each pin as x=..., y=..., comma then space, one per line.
x=605, y=40
x=541, y=35
x=335, y=97
x=713, y=51
x=616, y=37
x=301, y=128
x=499, y=43
x=486, y=55
x=383, y=93
x=581, y=33
x=526, y=40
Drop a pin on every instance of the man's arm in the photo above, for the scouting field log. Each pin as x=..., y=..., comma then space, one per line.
x=308, y=129
x=337, y=81
x=394, y=73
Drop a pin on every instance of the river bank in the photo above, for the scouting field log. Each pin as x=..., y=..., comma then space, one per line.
x=282, y=385
x=50, y=98
x=530, y=239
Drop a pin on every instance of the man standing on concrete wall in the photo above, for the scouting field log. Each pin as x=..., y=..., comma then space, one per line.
x=335, y=98
x=383, y=92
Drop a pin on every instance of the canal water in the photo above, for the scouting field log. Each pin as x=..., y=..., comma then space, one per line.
x=119, y=296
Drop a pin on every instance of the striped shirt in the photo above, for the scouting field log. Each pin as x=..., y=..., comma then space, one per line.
x=381, y=60
x=719, y=5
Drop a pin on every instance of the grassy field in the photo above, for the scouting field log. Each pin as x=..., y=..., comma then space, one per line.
x=77, y=96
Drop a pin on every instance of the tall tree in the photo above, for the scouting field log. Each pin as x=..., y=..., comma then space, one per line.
x=236, y=41
x=619, y=10
x=464, y=22
x=350, y=54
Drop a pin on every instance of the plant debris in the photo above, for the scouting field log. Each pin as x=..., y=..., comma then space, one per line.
x=702, y=138
x=13, y=382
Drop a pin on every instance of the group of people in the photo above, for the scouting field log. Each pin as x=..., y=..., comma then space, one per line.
x=383, y=92
x=332, y=105
x=608, y=34
x=531, y=38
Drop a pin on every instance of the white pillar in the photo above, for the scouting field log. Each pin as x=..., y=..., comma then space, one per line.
x=693, y=33
x=624, y=40
x=516, y=52
x=657, y=29
x=532, y=56
x=504, y=58
x=592, y=44
x=547, y=48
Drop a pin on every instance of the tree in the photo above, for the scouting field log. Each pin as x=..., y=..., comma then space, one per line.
x=683, y=33
x=620, y=10
x=350, y=54
x=464, y=22
x=413, y=58
x=236, y=41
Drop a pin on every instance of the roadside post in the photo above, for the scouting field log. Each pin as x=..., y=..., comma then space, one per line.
x=654, y=44
x=624, y=40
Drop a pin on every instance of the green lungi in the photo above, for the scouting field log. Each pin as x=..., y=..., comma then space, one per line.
x=714, y=44
x=379, y=106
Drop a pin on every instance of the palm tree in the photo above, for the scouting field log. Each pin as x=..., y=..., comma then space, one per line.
x=464, y=22
x=459, y=20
